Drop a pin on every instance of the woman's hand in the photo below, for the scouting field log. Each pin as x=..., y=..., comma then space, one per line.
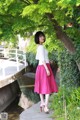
x=48, y=72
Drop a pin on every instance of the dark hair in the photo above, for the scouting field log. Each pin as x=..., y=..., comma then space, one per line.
x=37, y=35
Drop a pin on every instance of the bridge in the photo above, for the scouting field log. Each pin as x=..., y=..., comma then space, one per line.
x=12, y=66
x=12, y=63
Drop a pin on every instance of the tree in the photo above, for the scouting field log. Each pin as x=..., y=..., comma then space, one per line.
x=22, y=16
x=56, y=15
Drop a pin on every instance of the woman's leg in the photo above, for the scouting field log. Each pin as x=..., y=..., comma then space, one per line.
x=46, y=110
x=46, y=99
x=42, y=99
x=42, y=102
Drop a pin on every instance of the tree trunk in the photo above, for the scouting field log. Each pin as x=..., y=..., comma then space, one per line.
x=61, y=35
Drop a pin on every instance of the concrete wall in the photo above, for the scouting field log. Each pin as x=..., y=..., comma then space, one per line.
x=8, y=94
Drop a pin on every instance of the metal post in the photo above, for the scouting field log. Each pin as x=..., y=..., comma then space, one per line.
x=3, y=71
x=17, y=60
x=24, y=58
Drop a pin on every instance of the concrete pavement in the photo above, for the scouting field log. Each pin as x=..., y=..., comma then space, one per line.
x=33, y=113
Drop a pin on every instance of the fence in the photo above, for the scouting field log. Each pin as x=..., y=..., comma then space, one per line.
x=12, y=55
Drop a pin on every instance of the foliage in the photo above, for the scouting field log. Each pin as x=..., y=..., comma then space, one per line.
x=72, y=97
x=20, y=17
x=30, y=58
x=30, y=94
x=76, y=56
x=69, y=73
x=53, y=57
x=32, y=46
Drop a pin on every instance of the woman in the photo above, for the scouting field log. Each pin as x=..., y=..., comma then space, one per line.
x=45, y=83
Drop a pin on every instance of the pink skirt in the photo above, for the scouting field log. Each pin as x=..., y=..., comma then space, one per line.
x=44, y=84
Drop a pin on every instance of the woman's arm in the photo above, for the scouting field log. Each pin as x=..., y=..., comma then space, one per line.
x=47, y=70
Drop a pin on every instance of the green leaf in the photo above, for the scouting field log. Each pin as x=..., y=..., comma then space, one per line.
x=28, y=10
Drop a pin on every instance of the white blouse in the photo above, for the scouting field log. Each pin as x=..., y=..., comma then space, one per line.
x=42, y=54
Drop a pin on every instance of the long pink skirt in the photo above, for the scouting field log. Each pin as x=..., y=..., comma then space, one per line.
x=44, y=84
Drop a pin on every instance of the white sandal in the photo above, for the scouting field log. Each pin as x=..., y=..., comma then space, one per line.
x=42, y=107
x=46, y=110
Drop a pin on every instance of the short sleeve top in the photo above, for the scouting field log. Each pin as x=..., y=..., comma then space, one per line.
x=42, y=54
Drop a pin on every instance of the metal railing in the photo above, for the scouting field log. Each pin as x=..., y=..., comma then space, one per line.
x=13, y=55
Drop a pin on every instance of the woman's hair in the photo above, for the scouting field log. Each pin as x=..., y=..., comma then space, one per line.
x=37, y=35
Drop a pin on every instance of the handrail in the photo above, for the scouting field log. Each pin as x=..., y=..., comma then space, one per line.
x=13, y=54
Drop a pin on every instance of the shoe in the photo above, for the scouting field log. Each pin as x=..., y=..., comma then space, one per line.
x=42, y=107
x=46, y=110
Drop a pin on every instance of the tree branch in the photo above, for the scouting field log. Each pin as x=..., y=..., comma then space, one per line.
x=35, y=1
x=26, y=1
x=61, y=35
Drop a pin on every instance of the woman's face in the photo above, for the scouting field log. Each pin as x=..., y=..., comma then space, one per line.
x=41, y=39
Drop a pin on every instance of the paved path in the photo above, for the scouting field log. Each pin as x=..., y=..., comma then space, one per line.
x=33, y=113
